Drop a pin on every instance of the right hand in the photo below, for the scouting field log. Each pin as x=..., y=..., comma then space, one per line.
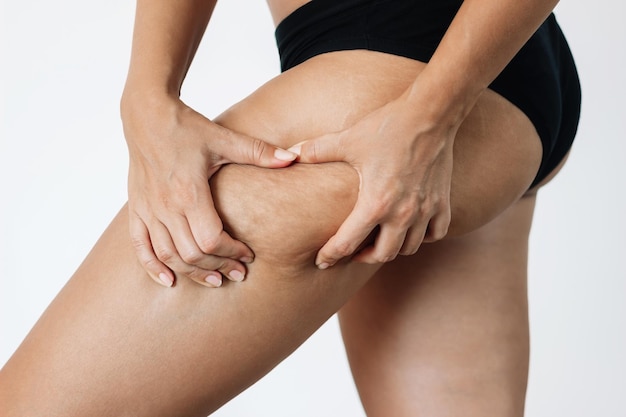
x=174, y=226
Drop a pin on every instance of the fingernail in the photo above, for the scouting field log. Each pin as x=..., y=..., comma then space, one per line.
x=284, y=155
x=236, y=275
x=246, y=259
x=214, y=280
x=166, y=279
x=323, y=265
x=296, y=149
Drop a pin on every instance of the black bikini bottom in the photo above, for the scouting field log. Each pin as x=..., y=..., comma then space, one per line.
x=541, y=80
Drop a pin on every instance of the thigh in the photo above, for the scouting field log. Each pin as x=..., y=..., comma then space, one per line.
x=445, y=332
x=127, y=345
x=497, y=151
x=114, y=343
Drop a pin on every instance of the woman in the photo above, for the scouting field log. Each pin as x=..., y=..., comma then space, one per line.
x=422, y=152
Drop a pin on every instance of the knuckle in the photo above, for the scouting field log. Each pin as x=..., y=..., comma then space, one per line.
x=314, y=151
x=138, y=242
x=384, y=258
x=257, y=150
x=424, y=211
x=191, y=256
x=386, y=201
x=374, y=259
x=196, y=274
x=439, y=202
x=210, y=243
x=377, y=211
x=150, y=264
x=165, y=255
x=343, y=248
x=423, y=202
x=186, y=195
x=216, y=263
x=145, y=255
x=405, y=213
x=434, y=234
x=440, y=233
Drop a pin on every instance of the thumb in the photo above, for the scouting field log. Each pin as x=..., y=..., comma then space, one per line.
x=325, y=148
x=244, y=149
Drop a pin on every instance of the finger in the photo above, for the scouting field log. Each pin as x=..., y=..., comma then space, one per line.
x=386, y=247
x=234, y=269
x=229, y=268
x=140, y=239
x=325, y=148
x=243, y=149
x=438, y=226
x=354, y=230
x=193, y=256
x=202, y=265
x=220, y=267
x=208, y=232
x=167, y=253
x=413, y=240
x=185, y=245
x=221, y=252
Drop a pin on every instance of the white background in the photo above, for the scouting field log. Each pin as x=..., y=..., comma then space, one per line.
x=63, y=171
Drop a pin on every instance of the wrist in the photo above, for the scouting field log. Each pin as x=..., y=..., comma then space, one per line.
x=444, y=102
x=146, y=117
x=141, y=101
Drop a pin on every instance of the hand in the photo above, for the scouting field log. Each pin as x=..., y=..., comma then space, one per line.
x=405, y=168
x=174, y=226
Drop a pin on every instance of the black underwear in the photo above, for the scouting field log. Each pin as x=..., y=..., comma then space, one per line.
x=541, y=80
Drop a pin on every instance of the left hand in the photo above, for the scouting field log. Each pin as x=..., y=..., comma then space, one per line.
x=404, y=162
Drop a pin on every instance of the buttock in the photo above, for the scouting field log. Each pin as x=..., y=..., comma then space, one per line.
x=541, y=80
x=497, y=150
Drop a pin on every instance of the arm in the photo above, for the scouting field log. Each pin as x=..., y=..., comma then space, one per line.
x=165, y=39
x=482, y=39
x=405, y=182
x=174, y=151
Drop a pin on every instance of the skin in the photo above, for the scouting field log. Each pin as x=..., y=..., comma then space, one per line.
x=447, y=326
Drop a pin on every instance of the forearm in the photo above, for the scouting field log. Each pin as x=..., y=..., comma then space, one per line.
x=483, y=37
x=166, y=36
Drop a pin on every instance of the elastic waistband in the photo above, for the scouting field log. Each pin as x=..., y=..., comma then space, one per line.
x=410, y=28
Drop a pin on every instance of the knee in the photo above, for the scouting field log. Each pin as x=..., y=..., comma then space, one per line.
x=285, y=215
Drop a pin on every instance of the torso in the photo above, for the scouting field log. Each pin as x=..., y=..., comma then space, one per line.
x=283, y=8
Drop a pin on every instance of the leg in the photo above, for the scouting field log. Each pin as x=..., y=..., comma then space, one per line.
x=445, y=332
x=113, y=343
